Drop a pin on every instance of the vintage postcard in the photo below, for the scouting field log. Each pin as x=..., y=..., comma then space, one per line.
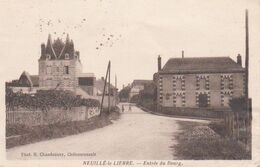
x=130, y=83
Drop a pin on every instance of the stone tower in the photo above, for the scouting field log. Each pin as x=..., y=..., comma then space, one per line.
x=59, y=65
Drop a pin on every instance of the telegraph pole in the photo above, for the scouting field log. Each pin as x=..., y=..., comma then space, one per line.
x=104, y=90
x=109, y=87
x=247, y=56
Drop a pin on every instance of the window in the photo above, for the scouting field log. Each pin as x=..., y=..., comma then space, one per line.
x=66, y=56
x=225, y=100
x=178, y=101
x=202, y=83
x=178, y=84
x=48, y=70
x=168, y=96
x=66, y=69
x=87, y=81
x=48, y=56
x=226, y=83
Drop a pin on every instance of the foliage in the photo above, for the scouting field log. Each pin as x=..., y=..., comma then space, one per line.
x=207, y=147
x=46, y=99
x=218, y=127
x=147, y=97
x=238, y=104
x=124, y=93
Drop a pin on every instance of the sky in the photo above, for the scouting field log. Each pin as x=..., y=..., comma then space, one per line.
x=130, y=33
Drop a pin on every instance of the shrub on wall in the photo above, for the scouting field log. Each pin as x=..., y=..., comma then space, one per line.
x=46, y=99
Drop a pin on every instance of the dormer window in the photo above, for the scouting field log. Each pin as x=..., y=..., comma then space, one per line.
x=67, y=56
x=76, y=55
x=48, y=56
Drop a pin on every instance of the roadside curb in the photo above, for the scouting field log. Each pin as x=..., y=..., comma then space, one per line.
x=175, y=116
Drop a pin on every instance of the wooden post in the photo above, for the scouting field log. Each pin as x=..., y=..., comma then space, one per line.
x=237, y=120
x=109, y=88
x=232, y=124
x=104, y=90
x=245, y=126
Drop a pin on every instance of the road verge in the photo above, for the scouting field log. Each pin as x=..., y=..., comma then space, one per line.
x=21, y=135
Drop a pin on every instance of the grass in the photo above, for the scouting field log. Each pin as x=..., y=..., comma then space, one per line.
x=207, y=147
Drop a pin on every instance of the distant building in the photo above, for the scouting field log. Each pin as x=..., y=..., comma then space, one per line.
x=26, y=83
x=208, y=82
x=99, y=85
x=137, y=86
x=59, y=68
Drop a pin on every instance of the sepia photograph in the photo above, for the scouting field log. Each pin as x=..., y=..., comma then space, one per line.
x=130, y=83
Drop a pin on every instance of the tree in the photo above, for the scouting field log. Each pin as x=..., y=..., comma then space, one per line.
x=124, y=93
x=238, y=104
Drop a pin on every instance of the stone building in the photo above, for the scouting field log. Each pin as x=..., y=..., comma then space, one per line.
x=26, y=83
x=208, y=82
x=59, y=65
x=59, y=68
x=137, y=86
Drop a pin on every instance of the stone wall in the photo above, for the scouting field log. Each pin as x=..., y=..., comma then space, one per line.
x=53, y=72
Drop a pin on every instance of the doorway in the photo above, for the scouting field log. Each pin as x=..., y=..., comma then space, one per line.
x=203, y=100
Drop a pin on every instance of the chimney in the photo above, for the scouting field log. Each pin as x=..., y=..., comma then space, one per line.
x=42, y=49
x=182, y=53
x=159, y=63
x=239, y=60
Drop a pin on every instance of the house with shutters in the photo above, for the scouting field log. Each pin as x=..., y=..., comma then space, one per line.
x=199, y=82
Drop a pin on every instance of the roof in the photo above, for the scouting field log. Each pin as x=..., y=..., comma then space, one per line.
x=135, y=90
x=57, y=49
x=141, y=82
x=92, y=75
x=35, y=80
x=201, y=65
x=99, y=84
x=25, y=80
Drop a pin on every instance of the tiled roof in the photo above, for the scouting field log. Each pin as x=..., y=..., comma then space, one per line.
x=201, y=65
x=25, y=80
x=57, y=49
x=141, y=82
x=35, y=80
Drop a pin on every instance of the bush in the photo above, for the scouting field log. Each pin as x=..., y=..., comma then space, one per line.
x=219, y=128
x=238, y=104
x=200, y=146
x=212, y=148
x=124, y=93
x=45, y=99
